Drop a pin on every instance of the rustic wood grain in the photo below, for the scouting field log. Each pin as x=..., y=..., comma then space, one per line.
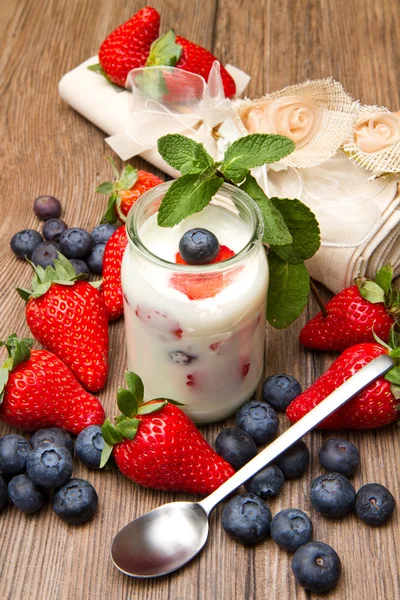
x=46, y=148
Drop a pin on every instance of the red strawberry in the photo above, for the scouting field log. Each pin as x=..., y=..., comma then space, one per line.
x=158, y=446
x=40, y=391
x=176, y=51
x=69, y=318
x=128, y=46
x=353, y=315
x=198, y=286
x=111, y=289
x=125, y=190
x=373, y=407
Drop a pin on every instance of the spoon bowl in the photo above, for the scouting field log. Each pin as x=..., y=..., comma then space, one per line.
x=149, y=546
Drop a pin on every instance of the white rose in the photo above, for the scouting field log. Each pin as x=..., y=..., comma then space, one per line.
x=374, y=132
x=296, y=117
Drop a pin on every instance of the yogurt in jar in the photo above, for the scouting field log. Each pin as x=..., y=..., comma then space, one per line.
x=195, y=334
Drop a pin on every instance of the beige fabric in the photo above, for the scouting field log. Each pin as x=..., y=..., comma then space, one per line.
x=327, y=109
x=366, y=145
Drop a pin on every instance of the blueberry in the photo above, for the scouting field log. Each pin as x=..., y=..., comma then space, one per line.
x=267, y=482
x=102, y=233
x=75, y=242
x=52, y=435
x=80, y=267
x=247, y=519
x=294, y=462
x=3, y=493
x=49, y=465
x=24, y=242
x=332, y=495
x=45, y=254
x=75, y=502
x=180, y=358
x=235, y=446
x=47, y=207
x=291, y=528
x=53, y=228
x=24, y=494
x=374, y=504
x=259, y=420
x=316, y=567
x=339, y=456
x=89, y=445
x=14, y=451
x=198, y=246
x=95, y=259
x=280, y=390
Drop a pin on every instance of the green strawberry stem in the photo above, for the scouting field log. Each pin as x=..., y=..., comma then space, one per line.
x=393, y=349
x=62, y=272
x=318, y=298
x=123, y=181
x=130, y=403
x=164, y=51
x=19, y=350
x=381, y=290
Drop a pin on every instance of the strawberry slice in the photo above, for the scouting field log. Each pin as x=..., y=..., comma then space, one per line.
x=198, y=286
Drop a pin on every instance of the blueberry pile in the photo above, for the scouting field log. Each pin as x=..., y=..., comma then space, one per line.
x=31, y=469
x=85, y=250
x=248, y=519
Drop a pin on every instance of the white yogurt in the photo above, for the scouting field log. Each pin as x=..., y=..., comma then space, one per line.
x=206, y=353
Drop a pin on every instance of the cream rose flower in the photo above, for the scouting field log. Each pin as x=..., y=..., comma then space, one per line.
x=376, y=131
x=296, y=117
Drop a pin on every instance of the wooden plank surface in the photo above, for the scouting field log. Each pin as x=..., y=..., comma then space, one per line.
x=46, y=148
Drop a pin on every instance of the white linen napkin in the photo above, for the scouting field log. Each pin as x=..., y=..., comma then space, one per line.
x=360, y=220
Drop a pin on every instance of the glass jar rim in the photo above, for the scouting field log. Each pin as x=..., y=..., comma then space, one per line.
x=158, y=191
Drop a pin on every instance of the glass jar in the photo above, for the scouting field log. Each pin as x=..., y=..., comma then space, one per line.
x=195, y=333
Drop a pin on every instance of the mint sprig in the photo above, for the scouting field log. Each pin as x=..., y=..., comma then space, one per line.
x=290, y=228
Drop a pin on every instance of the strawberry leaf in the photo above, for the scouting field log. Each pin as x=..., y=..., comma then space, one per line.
x=135, y=386
x=395, y=389
x=105, y=188
x=110, y=433
x=127, y=179
x=128, y=428
x=105, y=455
x=148, y=408
x=3, y=380
x=394, y=375
x=384, y=277
x=25, y=294
x=110, y=216
x=372, y=292
x=127, y=402
x=175, y=402
x=164, y=51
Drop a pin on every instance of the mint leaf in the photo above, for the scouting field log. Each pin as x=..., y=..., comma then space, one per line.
x=289, y=286
x=276, y=232
x=384, y=277
x=187, y=195
x=303, y=227
x=127, y=402
x=136, y=387
x=253, y=151
x=184, y=154
x=372, y=292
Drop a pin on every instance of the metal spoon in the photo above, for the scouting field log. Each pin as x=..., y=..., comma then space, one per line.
x=168, y=537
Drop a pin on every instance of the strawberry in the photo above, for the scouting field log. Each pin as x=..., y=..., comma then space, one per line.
x=69, y=318
x=353, y=315
x=111, y=289
x=37, y=390
x=176, y=51
x=125, y=190
x=128, y=46
x=198, y=286
x=373, y=407
x=159, y=447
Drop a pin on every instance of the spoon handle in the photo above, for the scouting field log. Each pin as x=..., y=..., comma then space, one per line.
x=374, y=369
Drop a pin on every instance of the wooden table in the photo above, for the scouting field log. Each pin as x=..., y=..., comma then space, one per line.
x=49, y=149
